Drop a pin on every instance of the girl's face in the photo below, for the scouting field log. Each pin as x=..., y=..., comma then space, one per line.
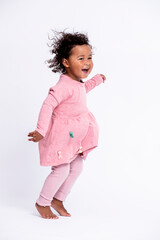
x=79, y=64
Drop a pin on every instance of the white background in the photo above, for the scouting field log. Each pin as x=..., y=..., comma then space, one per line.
x=117, y=195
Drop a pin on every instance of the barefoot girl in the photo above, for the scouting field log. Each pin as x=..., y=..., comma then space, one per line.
x=66, y=130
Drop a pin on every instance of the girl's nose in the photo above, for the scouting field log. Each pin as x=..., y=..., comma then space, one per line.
x=87, y=63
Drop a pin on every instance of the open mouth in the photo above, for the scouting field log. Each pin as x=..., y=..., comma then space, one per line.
x=85, y=70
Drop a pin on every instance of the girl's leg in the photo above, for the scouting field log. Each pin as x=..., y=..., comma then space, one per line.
x=76, y=167
x=53, y=183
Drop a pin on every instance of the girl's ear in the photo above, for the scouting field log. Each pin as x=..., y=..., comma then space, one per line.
x=65, y=62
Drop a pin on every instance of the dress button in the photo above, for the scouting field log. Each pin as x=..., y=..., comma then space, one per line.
x=90, y=123
x=80, y=149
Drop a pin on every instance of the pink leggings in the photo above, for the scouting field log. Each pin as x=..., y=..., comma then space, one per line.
x=60, y=181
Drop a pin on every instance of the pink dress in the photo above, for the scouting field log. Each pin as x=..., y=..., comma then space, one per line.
x=67, y=125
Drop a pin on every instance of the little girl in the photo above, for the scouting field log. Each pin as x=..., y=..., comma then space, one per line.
x=66, y=130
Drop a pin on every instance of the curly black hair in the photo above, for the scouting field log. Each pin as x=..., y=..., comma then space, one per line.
x=62, y=44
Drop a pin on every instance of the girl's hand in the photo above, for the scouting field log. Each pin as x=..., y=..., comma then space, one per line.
x=104, y=78
x=36, y=136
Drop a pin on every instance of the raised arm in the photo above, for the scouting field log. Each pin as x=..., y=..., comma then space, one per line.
x=93, y=82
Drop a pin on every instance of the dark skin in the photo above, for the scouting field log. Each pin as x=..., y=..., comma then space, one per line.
x=79, y=59
x=35, y=136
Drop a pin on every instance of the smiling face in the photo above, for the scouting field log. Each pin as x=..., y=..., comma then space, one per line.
x=79, y=64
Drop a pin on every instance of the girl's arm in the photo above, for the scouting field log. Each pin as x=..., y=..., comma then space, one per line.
x=44, y=118
x=55, y=96
x=93, y=82
x=49, y=104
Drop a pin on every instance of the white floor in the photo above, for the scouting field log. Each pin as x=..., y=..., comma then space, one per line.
x=115, y=221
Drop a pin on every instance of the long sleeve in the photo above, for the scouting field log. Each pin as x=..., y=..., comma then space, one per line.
x=93, y=82
x=45, y=114
x=55, y=96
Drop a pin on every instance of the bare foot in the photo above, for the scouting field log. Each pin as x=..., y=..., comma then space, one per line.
x=58, y=206
x=45, y=212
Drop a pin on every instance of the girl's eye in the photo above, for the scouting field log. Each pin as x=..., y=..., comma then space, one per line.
x=83, y=58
